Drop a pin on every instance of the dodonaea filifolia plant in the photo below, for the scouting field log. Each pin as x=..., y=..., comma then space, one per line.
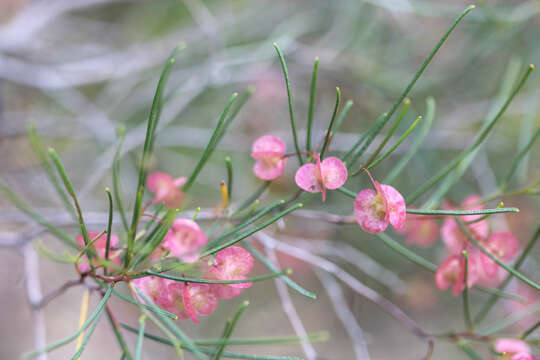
x=175, y=269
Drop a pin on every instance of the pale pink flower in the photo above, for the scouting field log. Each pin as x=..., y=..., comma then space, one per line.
x=451, y=272
x=154, y=288
x=100, y=246
x=422, y=231
x=374, y=209
x=269, y=152
x=503, y=245
x=453, y=237
x=166, y=189
x=184, y=240
x=232, y=263
x=330, y=174
x=511, y=348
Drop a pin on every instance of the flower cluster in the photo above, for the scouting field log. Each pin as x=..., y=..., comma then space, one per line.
x=187, y=300
x=481, y=268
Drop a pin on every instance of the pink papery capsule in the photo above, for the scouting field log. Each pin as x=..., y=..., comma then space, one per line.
x=374, y=209
x=154, y=288
x=451, y=272
x=269, y=152
x=512, y=349
x=184, y=239
x=422, y=231
x=166, y=189
x=232, y=263
x=454, y=239
x=100, y=246
x=331, y=173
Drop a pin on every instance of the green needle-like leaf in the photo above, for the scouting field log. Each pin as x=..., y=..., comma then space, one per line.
x=401, y=116
x=39, y=150
x=289, y=96
x=140, y=337
x=252, y=231
x=208, y=281
x=115, y=179
x=311, y=103
x=342, y=115
x=395, y=146
x=153, y=119
x=328, y=136
x=210, y=147
x=229, y=330
x=424, y=130
x=412, y=82
x=71, y=193
x=466, y=306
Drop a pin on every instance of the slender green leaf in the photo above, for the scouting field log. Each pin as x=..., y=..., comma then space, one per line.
x=289, y=96
x=212, y=143
x=140, y=337
x=328, y=136
x=311, y=103
x=230, y=329
x=426, y=126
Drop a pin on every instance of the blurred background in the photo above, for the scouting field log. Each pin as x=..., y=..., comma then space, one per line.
x=78, y=69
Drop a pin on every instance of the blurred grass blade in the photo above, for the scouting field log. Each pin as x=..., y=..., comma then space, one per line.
x=26, y=209
x=412, y=82
x=211, y=144
x=289, y=96
x=499, y=325
x=328, y=136
x=271, y=267
x=311, y=103
x=484, y=132
x=509, y=80
x=517, y=161
x=229, y=330
x=394, y=147
x=153, y=120
x=44, y=160
x=401, y=116
x=116, y=330
x=67, y=340
x=426, y=126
